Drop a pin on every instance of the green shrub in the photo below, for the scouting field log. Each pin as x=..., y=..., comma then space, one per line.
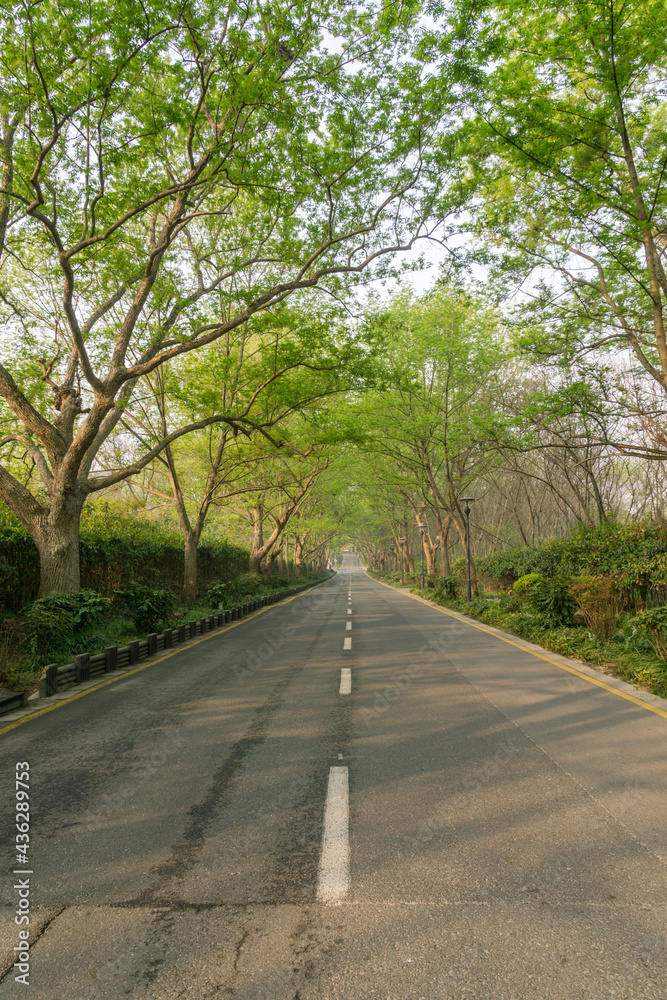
x=250, y=584
x=633, y=552
x=149, y=607
x=478, y=605
x=222, y=595
x=447, y=588
x=525, y=583
x=244, y=586
x=651, y=626
x=552, y=600
x=55, y=623
x=596, y=597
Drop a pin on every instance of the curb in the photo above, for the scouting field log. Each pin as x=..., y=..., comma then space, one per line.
x=644, y=699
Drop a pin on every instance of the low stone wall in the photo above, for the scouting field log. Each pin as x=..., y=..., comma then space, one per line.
x=86, y=667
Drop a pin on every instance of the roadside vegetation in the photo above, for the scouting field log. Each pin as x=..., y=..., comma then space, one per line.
x=132, y=573
x=597, y=596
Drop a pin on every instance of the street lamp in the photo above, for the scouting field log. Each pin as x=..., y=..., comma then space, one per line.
x=422, y=529
x=401, y=542
x=466, y=510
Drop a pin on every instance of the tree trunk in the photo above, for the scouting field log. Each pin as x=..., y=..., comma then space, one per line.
x=444, y=554
x=429, y=557
x=53, y=529
x=257, y=553
x=267, y=561
x=57, y=539
x=190, y=569
x=255, y=562
x=299, y=563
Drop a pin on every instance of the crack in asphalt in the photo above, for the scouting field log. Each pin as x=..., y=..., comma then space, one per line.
x=201, y=814
x=162, y=926
x=33, y=941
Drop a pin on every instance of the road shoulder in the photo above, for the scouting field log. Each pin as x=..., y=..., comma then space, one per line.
x=610, y=683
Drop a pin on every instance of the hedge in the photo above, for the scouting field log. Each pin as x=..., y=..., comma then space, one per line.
x=117, y=548
x=633, y=552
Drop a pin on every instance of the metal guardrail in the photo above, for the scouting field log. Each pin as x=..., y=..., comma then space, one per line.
x=87, y=666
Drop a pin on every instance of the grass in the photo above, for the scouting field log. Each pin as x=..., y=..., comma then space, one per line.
x=626, y=655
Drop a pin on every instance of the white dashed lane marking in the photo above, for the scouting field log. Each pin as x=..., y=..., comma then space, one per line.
x=347, y=644
x=345, y=681
x=334, y=874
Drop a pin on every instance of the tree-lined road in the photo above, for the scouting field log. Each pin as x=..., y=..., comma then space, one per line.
x=503, y=835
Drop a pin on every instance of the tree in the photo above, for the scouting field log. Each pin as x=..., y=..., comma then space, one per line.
x=432, y=427
x=275, y=488
x=167, y=174
x=565, y=151
x=268, y=370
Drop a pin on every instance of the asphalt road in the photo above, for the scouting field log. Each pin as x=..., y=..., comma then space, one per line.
x=470, y=821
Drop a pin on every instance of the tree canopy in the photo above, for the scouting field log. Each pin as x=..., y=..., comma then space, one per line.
x=194, y=202
x=167, y=174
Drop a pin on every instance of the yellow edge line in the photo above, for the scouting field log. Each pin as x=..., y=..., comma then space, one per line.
x=570, y=670
x=128, y=673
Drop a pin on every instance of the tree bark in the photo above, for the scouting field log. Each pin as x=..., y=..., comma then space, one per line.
x=191, y=539
x=444, y=554
x=258, y=551
x=429, y=556
x=299, y=546
x=56, y=535
x=267, y=561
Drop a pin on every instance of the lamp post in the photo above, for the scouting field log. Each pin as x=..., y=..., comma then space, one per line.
x=401, y=542
x=466, y=510
x=422, y=529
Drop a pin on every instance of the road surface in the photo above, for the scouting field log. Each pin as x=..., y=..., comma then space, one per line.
x=351, y=795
